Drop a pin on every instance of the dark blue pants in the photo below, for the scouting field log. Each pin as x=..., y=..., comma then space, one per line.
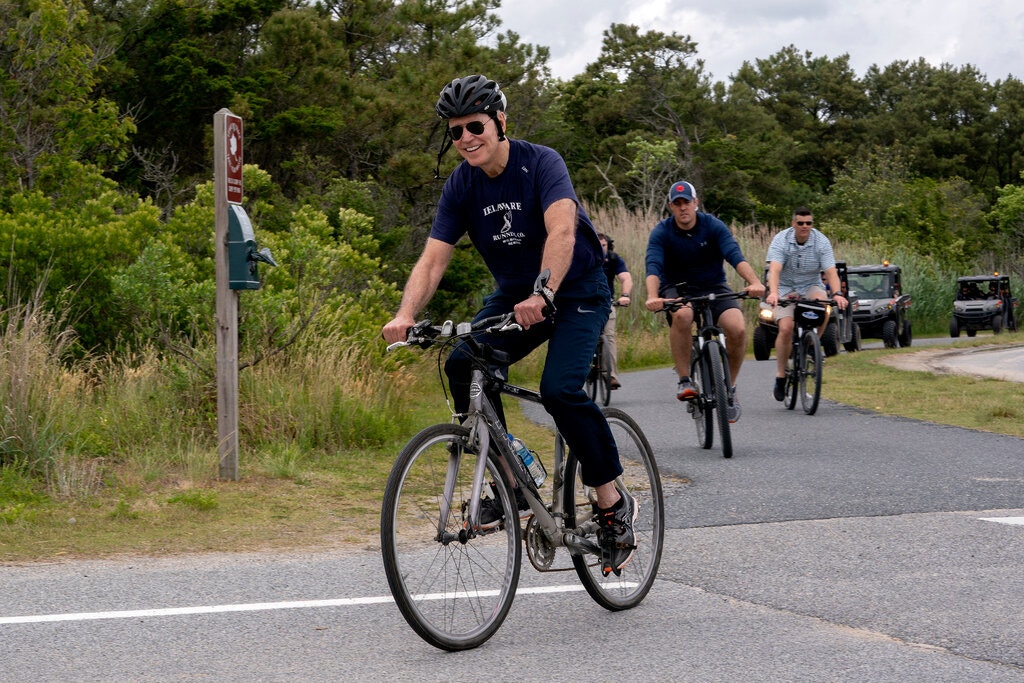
x=572, y=337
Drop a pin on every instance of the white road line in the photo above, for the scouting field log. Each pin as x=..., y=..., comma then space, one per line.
x=1004, y=520
x=250, y=607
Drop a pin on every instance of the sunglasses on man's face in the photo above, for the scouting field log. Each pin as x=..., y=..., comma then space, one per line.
x=800, y=222
x=474, y=127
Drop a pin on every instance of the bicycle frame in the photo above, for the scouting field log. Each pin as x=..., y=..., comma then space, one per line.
x=796, y=374
x=485, y=425
x=708, y=355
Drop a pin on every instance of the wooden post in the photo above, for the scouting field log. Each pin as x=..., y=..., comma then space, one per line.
x=227, y=309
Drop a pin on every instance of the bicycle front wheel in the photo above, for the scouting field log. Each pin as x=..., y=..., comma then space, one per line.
x=699, y=408
x=454, y=589
x=716, y=356
x=641, y=479
x=810, y=372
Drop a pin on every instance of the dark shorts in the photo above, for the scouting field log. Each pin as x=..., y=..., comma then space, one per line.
x=718, y=306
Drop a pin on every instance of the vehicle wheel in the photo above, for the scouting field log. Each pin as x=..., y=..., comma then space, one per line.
x=997, y=324
x=971, y=333
x=855, y=340
x=810, y=373
x=762, y=349
x=425, y=549
x=721, y=400
x=889, y=336
x=906, y=337
x=954, y=328
x=700, y=408
x=641, y=479
x=830, y=340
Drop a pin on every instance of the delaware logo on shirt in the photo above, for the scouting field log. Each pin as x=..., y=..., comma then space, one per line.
x=507, y=236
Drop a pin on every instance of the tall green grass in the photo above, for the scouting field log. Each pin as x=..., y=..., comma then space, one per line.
x=74, y=426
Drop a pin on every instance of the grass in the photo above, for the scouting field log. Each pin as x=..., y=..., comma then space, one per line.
x=862, y=380
x=289, y=498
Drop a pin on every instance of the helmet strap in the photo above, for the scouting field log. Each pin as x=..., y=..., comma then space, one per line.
x=446, y=144
x=497, y=124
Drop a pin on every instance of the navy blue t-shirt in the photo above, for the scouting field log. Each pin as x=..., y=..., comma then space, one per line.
x=692, y=256
x=504, y=218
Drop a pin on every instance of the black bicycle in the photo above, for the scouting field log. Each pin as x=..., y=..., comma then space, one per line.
x=804, y=369
x=599, y=379
x=454, y=578
x=709, y=370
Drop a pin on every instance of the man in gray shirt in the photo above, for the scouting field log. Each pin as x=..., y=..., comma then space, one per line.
x=798, y=258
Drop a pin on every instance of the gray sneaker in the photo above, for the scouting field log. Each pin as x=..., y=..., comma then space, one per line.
x=615, y=534
x=733, y=408
x=685, y=391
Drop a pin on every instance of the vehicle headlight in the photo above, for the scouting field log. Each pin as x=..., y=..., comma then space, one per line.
x=766, y=314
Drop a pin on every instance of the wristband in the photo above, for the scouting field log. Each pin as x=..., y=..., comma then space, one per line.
x=545, y=292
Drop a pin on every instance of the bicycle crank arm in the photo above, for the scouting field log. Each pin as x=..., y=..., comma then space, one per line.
x=580, y=545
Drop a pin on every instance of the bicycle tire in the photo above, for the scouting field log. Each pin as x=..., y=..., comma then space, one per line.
x=605, y=376
x=810, y=372
x=716, y=356
x=641, y=479
x=454, y=595
x=792, y=376
x=592, y=379
x=698, y=407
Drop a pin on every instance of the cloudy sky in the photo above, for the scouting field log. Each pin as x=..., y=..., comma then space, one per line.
x=986, y=33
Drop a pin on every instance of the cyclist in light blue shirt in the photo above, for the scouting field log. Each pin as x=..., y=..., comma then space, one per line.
x=798, y=258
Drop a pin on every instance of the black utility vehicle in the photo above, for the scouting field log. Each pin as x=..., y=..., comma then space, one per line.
x=983, y=302
x=884, y=306
x=841, y=329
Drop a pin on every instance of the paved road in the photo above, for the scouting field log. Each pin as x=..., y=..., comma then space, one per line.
x=843, y=546
x=1005, y=363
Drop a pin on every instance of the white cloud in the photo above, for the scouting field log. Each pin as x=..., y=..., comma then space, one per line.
x=986, y=33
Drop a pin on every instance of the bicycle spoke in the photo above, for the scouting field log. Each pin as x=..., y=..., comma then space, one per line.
x=454, y=590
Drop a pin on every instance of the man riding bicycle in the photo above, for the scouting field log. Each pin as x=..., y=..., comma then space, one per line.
x=515, y=201
x=691, y=246
x=799, y=257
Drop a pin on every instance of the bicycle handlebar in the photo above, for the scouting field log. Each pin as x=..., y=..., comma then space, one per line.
x=425, y=333
x=814, y=302
x=679, y=302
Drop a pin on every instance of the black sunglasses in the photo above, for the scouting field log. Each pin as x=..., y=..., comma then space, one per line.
x=798, y=222
x=474, y=127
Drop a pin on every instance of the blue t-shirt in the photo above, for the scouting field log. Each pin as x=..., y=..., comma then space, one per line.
x=692, y=256
x=802, y=264
x=504, y=218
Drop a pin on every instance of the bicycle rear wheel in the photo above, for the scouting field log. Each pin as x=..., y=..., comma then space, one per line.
x=792, y=375
x=810, y=372
x=604, y=379
x=699, y=408
x=641, y=479
x=716, y=356
x=592, y=378
x=453, y=590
